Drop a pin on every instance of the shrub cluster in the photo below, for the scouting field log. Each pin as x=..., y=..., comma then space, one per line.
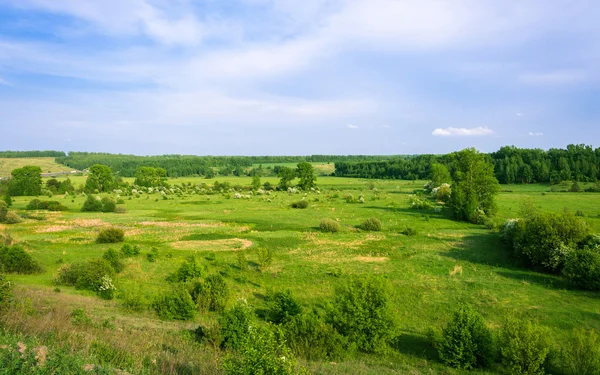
x=111, y=235
x=189, y=270
x=211, y=294
x=36, y=204
x=329, y=226
x=176, y=304
x=281, y=306
x=14, y=259
x=6, y=216
x=5, y=292
x=95, y=204
x=300, y=204
x=371, y=224
x=85, y=275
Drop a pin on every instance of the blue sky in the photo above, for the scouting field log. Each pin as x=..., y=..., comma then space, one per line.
x=258, y=77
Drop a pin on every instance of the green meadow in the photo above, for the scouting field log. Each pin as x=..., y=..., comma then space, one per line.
x=445, y=264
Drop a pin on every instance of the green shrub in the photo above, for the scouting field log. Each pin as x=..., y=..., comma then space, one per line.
x=36, y=204
x=361, y=311
x=152, y=255
x=300, y=204
x=265, y=258
x=92, y=204
x=466, y=342
x=189, y=270
x=581, y=355
x=241, y=260
x=176, y=304
x=329, y=226
x=85, y=275
x=371, y=224
x=106, y=288
x=80, y=318
x=281, y=306
x=524, y=347
x=211, y=294
x=310, y=337
x=127, y=250
x=111, y=235
x=235, y=325
x=5, y=292
x=209, y=334
x=410, y=231
x=114, y=259
x=11, y=218
x=14, y=259
x=134, y=300
x=261, y=353
x=3, y=211
x=582, y=268
x=108, y=204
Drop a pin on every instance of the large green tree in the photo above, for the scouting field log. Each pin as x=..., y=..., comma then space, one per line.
x=474, y=186
x=439, y=175
x=306, y=173
x=100, y=178
x=26, y=181
x=149, y=176
x=286, y=175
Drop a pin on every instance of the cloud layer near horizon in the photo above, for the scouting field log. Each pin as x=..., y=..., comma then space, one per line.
x=289, y=77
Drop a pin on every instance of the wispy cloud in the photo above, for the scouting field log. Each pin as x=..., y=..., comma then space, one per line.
x=532, y=134
x=462, y=132
x=351, y=126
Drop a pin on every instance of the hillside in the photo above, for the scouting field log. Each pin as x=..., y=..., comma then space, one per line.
x=48, y=165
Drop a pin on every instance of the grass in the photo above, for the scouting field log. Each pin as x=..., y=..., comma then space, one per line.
x=48, y=165
x=446, y=263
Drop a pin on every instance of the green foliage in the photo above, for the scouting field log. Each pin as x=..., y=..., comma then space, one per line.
x=111, y=235
x=524, y=347
x=575, y=188
x=108, y=204
x=310, y=337
x=26, y=181
x=92, y=204
x=547, y=239
x=255, y=182
x=235, y=325
x=241, y=260
x=150, y=177
x=85, y=275
x=329, y=226
x=80, y=318
x=14, y=259
x=306, y=174
x=176, y=304
x=127, y=251
x=36, y=204
x=190, y=269
x=582, y=268
x=3, y=211
x=152, y=256
x=410, y=231
x=372, y=224
x=361, y=311
x=7, y=199
x=211, y=294
x=286, y=175
x=300, y=204
x=261, y=353
x=419, y=202
x=5, y=292
x=581, y=354
x=439, y=175
x=265, y=258
x=281, y=306
x=112, y=257
x=466, y=342
x=100, y=178
x=474, y=186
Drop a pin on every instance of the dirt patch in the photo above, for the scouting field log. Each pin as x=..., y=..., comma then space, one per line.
x=371, y=259
x=53, y=229
x=172, y=224
x=228, y=244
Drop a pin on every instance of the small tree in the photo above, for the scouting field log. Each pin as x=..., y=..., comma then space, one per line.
x=281, y=306
x=286, y=175
x=26, y=181
x=100, y=178
x=524, y=347
x=149, y=176
x=439, y=175
x=581, y=356
x=7, y=199
x=255, y=182
x=306, y=173
x=92, y=204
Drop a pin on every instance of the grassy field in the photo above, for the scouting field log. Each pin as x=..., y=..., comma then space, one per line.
x=445, y=264
x=48, y=165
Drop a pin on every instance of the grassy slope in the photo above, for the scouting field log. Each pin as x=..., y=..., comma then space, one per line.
x=445, y=264
x=47, y=165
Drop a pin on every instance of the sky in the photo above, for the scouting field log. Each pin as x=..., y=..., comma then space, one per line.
x=290, y=77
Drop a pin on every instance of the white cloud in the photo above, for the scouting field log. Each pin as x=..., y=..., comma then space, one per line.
x=462, y=132
x=536, y=134
x=519, y=114
x=351, y=126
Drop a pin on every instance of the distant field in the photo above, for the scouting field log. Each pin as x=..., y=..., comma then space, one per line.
x=48, y=165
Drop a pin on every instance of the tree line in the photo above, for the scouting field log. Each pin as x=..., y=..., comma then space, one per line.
x=512, y=165
x=31, y=154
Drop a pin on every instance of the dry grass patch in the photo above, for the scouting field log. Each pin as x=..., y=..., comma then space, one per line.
x=229, y=244
x=369, y=259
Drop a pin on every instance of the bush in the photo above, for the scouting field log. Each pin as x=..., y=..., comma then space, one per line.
x=524, y=347
x=14, y=259
x=409, y=231
x=547, y=239
x=3, y=211
x=11, y=218
x=361, y=311
x=261, y=353
x=466, y=342
x=85, y=275
x=36, y=204
x=111, y=235
x=5, y=292
x=152, y=255
x=112, y=257
x=127, y=250
x=108, y=204
x=176, y=304
x=582, y=353
x=329, y=226
x=265, y=258
x=189, y=270
x=211, y=294
x=92, y=204
x=281, y=306
x=106, y=288
x=371, y=224
x=582, y=268
x=235, y=325
x=310, y=337
x=241, y=260
x=575, y=188
x=300, y=204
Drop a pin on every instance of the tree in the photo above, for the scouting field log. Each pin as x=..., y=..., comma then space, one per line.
x=474, y=186
x=100, y=178
x=255, y=182
x=149, y=176
x=439, y=175
x=306, y=173
x=286, y=176
x=26, y=181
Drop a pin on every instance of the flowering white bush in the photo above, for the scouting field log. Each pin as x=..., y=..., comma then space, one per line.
x=418, y=202
x=508, y=230
x=106, y=289
x=237, y=196
x=293, y=190
x=442, y=192
x=361, y=199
